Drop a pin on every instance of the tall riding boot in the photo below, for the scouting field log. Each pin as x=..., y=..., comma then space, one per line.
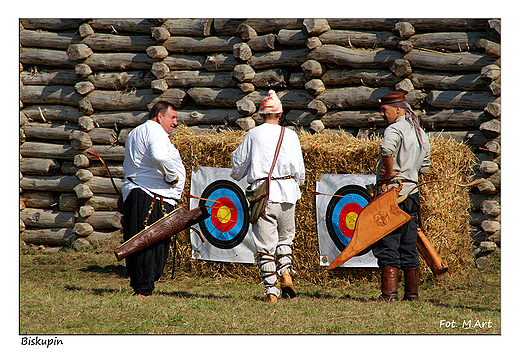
x=389, y=283
x=411, y=284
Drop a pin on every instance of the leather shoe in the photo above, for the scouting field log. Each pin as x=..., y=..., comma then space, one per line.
x=288, y=289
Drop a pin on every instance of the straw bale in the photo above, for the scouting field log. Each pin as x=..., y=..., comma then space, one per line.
x=444, y=206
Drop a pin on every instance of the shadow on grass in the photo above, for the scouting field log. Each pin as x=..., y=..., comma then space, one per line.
x=472, y=308
x=119, y=270
x=184, y=294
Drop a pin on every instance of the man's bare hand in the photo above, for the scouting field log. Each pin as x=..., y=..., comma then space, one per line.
x=384, y=176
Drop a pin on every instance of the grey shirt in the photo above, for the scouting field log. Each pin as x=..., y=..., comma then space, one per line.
x=401, y=143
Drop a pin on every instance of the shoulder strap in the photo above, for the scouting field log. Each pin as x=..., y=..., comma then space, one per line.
x=277, y=151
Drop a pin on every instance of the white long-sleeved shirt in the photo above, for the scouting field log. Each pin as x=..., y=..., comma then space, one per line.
x=255, y=155
x=400, y=142
x=151, y=160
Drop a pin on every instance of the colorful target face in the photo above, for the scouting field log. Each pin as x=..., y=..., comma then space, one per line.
x=229, y=221
x=337, y=216
x=225, y=235
x=342, y=213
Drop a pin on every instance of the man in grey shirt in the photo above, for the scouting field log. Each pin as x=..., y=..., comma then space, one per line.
x=405, y=152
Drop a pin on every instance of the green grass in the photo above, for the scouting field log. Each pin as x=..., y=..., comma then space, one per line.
x=89, y=293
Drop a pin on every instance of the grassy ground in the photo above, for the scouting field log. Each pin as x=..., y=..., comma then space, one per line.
x=89, y=293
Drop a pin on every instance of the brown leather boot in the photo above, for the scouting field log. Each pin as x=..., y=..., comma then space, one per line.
x=389, y=283
x=286, y=283
x=411, y=284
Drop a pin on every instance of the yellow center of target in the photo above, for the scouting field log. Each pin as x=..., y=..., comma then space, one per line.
x=351, y=219
x=224, y=214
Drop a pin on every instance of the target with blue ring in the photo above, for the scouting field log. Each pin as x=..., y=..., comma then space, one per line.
x=228, y=223
x=342, y=213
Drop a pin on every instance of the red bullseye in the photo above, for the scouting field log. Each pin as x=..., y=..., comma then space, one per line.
x=224, y=214
x=348, y=217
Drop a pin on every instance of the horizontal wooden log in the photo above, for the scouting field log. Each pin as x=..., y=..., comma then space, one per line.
x=212, y=97
x=291, y=37
x=118, y=43
x=68, y=202
x=242, y=52
x=46, y=113
x=107, y=152
x=226, y=26
x=273, y=25
x=275, y=59
x=447, y=81
x=201, y=44
x=189, y=27
x=353, y=97
x=121, y=80
x=291, y=99
x=211, y=116
x=50, y=23
x=349, y=119
x=131, y=100
x=80, y=140
x=300, y=117
x=473, y=138
x=98, y=169
x=447, y=41
x=39, y=199
x=103, y=202
x=362, y=24
x=190, y=78
x=57, y=95
x=83, y=229
x=463, y=61
x=49, y=77
x=119, y=61
x=453, y=119
x=447, y=24
x=315, y=27
x=51, y=131
x=105, y=219
x=463, y=100
x=95, y=238
x=38, y=166
x=125, y=25
x=60, y=40
x=56, y=183
x=104, y=136
x=48, y=236
x=488, y=47
x=356, y=58
x=120, y=118
x=48, y=150
x=43, y=218
x=370, y=77
x=179, y=61
x=103, y=185
x=270, y=78
x=47, y=57
x=359, y=39
x=220, y=62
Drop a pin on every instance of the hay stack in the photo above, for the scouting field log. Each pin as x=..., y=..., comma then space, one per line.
x=444, y=214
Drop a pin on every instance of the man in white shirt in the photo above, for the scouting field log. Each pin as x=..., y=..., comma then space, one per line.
x=274, y=232
x=405, y=152
x=153, y=171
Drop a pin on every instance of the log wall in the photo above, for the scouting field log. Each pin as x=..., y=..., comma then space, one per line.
x=85, y=83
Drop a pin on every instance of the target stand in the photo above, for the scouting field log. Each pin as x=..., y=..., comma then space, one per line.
x=227, y=233
x=336, y=216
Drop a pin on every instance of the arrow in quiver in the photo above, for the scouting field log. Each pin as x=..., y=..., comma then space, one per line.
x=380, y=217
x=173, y=223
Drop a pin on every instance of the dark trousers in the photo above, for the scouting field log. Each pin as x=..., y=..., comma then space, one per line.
x=399, y=248
x=147, y=265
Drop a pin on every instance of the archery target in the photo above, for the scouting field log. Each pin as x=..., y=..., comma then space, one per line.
x=226, y=233
x=336, y=216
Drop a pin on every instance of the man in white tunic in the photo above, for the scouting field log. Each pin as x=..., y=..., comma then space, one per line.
x=153, y=170
x=274, y=232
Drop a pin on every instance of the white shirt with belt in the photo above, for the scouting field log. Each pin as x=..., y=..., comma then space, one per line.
x=151, y=160
x=255, y=155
